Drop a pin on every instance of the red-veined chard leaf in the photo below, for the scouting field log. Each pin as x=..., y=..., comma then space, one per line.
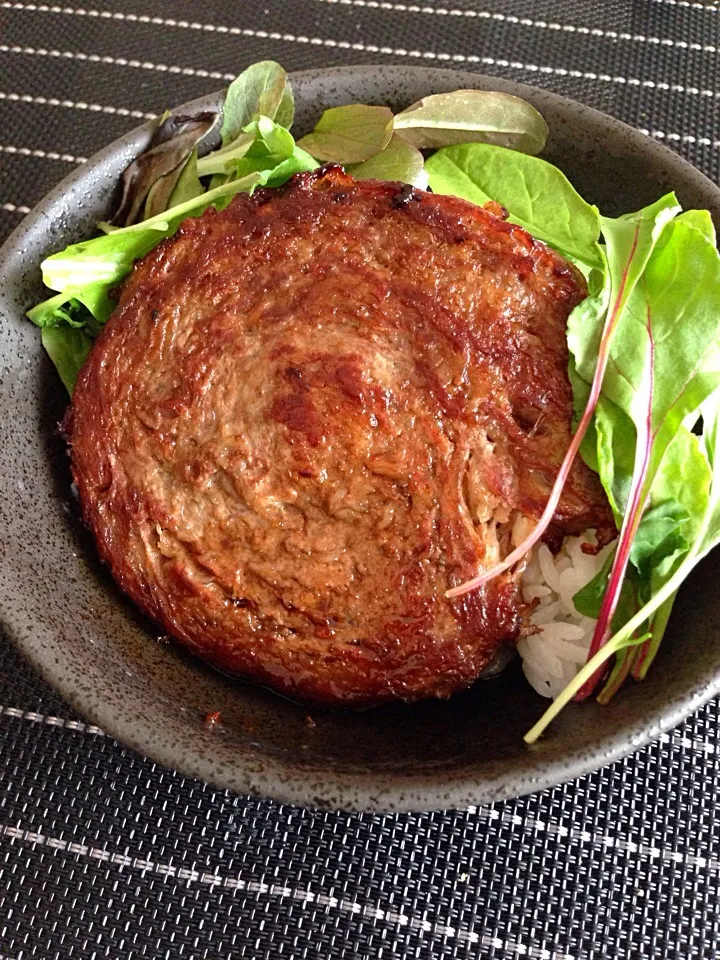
x=655, y=375
x=702, y=221
x=636, y=238
x=683, y=481
x=678, y=498
x=707, y=536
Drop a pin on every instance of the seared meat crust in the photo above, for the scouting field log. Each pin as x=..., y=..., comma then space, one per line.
x=314, y=412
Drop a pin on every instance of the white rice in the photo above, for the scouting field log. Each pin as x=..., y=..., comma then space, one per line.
x=555, y=653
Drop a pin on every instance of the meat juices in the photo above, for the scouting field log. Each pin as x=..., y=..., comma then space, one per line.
x=314, y=412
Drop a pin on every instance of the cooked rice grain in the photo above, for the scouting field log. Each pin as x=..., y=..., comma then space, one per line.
x=554, y=655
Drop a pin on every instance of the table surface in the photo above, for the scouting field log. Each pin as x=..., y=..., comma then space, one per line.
x=103, y=854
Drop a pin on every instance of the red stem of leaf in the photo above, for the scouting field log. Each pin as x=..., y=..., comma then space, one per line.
x=631, y=521
x=640, y=659
x=547, y=515
x=615, y=683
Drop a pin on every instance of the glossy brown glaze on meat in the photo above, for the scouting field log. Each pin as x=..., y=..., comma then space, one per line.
x=313, y=413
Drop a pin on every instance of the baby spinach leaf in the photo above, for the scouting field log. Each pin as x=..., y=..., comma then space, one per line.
x=398, y=161
x=537, y=195
x=262, y=89
x=350, y=134
x=467, y=116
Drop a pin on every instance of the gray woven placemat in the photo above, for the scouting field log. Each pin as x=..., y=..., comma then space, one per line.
x=105, y=855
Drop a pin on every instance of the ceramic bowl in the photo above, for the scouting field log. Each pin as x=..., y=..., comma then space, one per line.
x=64, y=613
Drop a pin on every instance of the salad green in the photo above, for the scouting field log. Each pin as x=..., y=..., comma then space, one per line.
x=537, y=196
x=447, y=118
x=644, y=345
x=150, y=180
x=350, y=134
x=164, y=185
x=644, y=369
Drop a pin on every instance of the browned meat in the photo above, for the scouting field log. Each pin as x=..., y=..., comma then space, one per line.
x=313, y=413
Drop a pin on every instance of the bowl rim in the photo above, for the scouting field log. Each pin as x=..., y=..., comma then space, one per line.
x=351, y=790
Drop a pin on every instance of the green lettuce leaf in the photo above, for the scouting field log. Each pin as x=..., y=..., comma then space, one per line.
x=68, y=348
x=85, y=274
x=222, y=162
x=274, y=138
x=106, y=260
x=262, y=139
x=276, y=170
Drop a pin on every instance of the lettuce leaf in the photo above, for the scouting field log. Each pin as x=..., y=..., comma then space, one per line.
x=97, y=265
x=84, y=274
x=68, y=348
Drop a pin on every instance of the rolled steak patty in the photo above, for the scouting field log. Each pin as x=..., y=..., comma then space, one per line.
x=314, y=412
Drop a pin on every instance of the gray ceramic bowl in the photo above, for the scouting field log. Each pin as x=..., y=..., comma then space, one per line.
x=63, y=612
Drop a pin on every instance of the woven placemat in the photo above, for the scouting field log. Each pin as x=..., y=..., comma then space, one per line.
x=105, y=855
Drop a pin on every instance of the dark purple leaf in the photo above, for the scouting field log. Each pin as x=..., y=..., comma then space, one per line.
x=172, y=143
